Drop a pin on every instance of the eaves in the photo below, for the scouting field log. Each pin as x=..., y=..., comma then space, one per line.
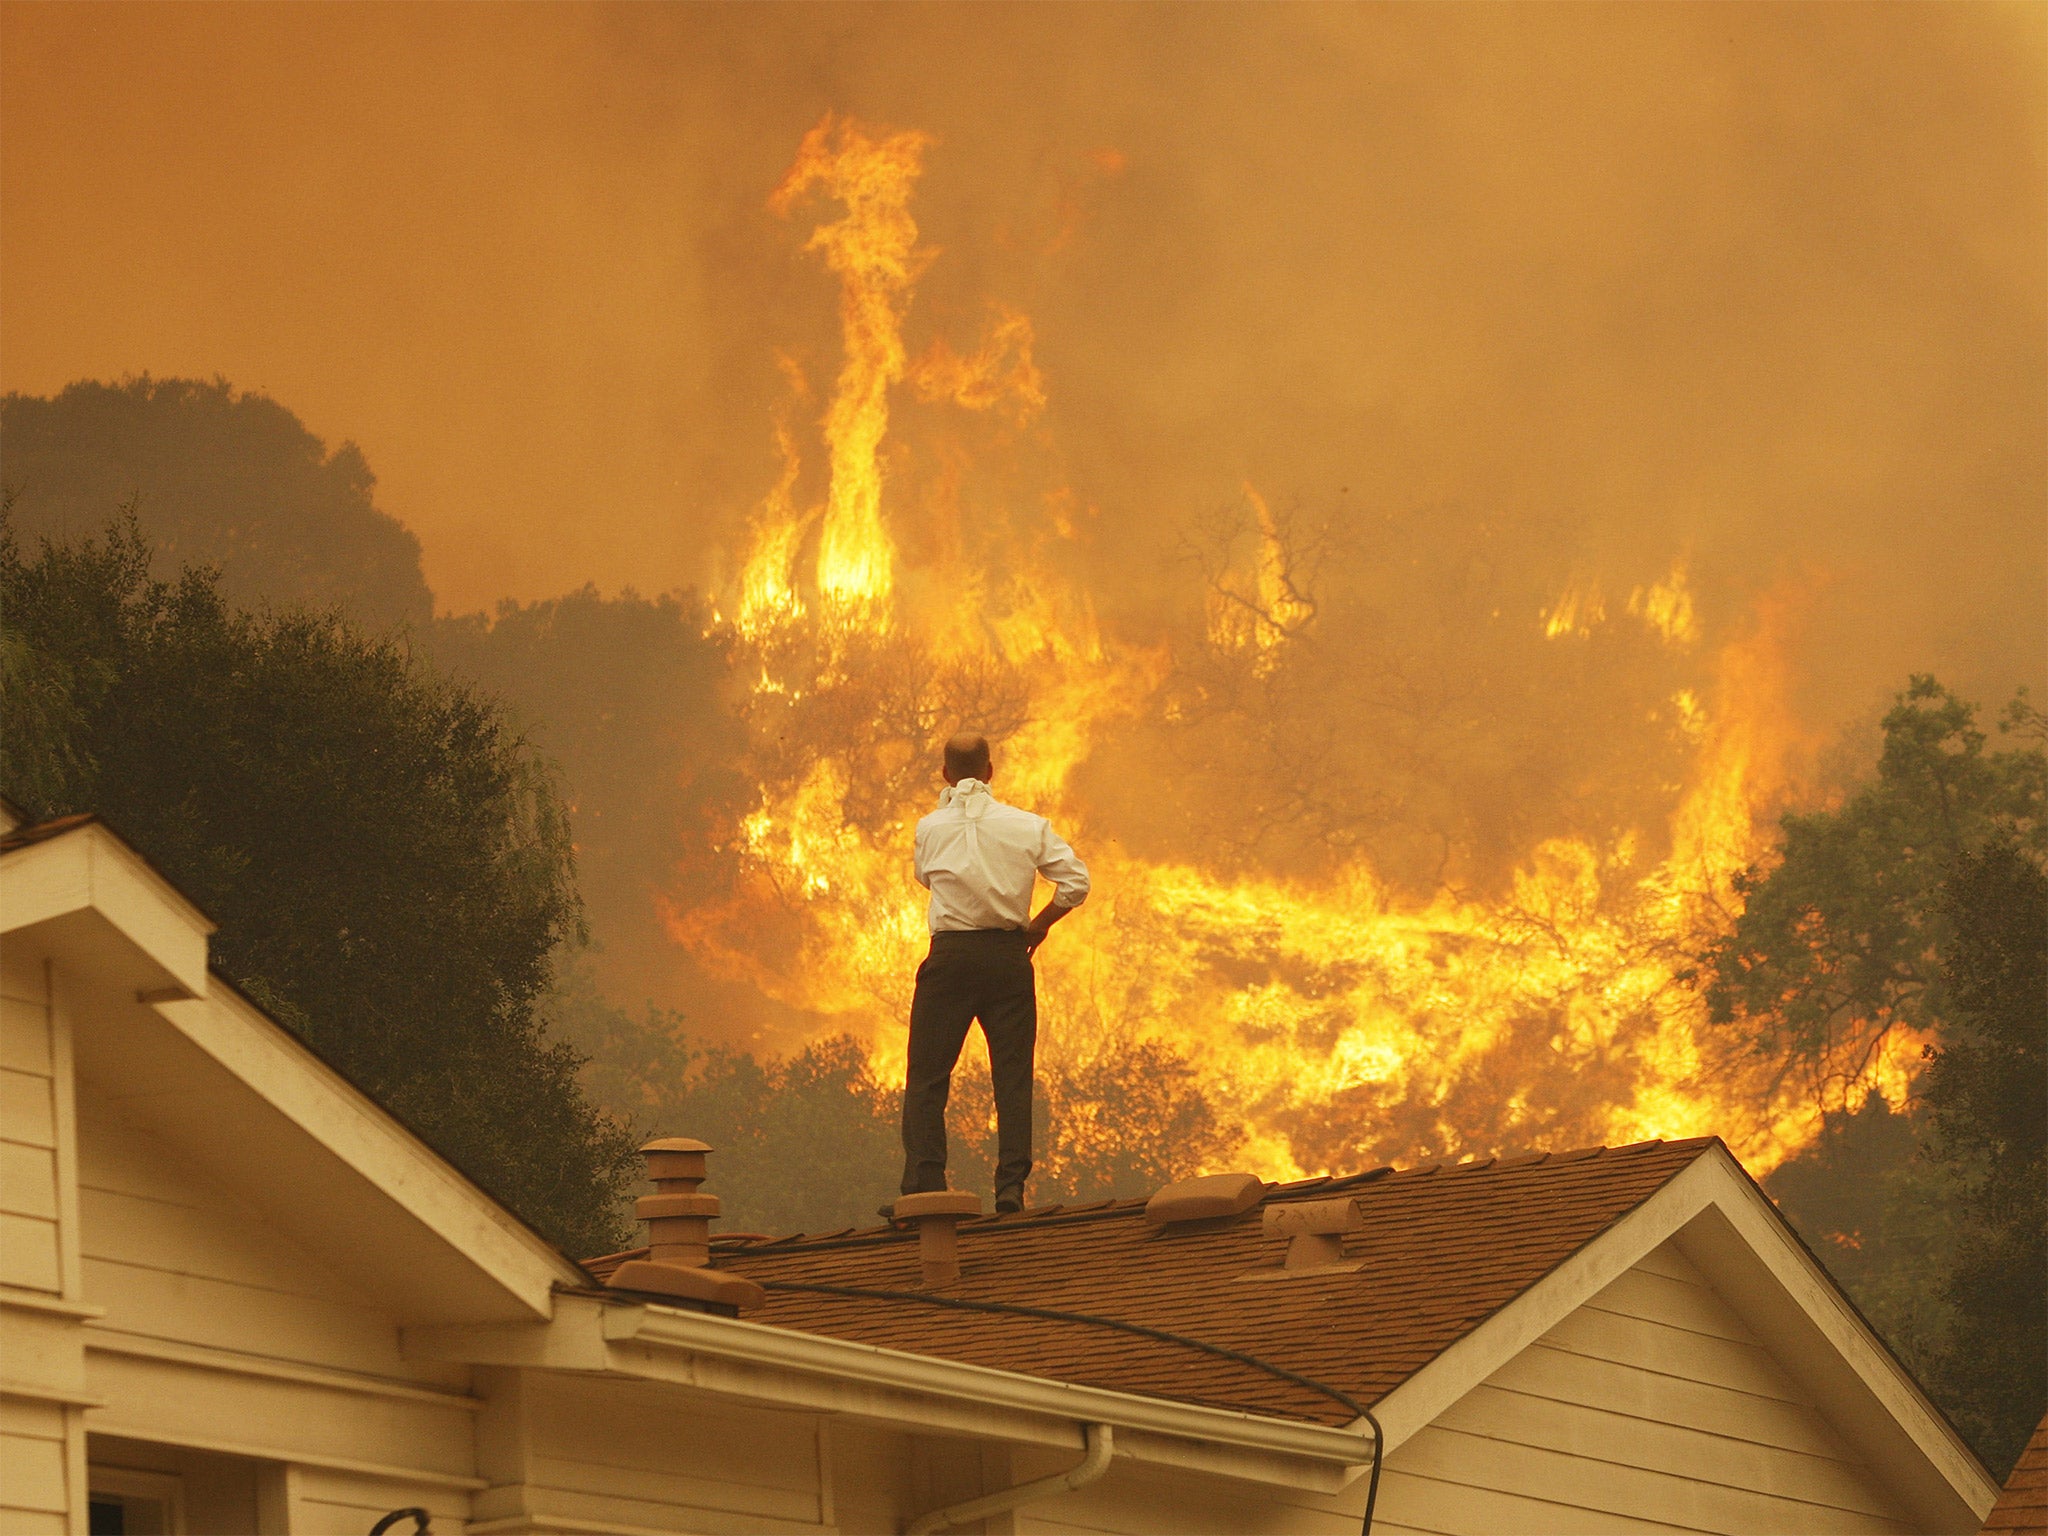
x=782, y=1368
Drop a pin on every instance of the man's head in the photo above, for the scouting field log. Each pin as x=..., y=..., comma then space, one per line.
x=967, y=758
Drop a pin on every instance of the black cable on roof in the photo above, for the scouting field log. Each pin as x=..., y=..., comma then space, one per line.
x=1051, y=1314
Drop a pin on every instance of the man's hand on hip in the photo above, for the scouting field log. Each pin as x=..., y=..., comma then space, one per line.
x=1039, y=926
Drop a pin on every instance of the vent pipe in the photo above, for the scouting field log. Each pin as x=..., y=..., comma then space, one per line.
x=678, y=1262
x=1315, y=1231
x=678, y=1218
x=938, y=1215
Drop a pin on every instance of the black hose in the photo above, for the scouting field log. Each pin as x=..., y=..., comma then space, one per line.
x=1050, y=1314
x=421, y=1521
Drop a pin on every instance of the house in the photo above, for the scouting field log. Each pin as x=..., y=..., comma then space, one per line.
x=237, y=1295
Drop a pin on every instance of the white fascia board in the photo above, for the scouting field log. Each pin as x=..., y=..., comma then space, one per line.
x=1727, y=1226
x=277, y=1066
x=89, y=873
x=1743, y=1246
x=815, y=1373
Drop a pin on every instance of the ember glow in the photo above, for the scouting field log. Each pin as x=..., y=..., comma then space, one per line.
x=1344, y=1021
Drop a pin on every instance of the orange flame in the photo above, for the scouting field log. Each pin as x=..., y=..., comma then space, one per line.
x=1341, y=1021
x=874, y=250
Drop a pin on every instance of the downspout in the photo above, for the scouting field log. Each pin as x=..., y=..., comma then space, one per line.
x=1100, y=1440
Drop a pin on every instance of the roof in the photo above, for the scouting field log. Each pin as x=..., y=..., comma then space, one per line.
x=1444, y=1248
x=2023, y=1506
x=42, y=831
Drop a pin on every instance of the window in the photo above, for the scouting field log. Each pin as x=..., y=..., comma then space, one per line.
x=125, y=1502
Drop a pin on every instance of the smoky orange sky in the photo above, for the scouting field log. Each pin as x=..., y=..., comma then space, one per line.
x=1763, y=285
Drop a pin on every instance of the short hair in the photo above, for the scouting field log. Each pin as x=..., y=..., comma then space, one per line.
x=967, y=756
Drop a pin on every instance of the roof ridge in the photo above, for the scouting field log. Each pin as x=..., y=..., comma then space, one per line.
x=1063, y=1214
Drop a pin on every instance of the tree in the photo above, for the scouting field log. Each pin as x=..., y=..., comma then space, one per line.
x=1986, y=1096
x=625, y=694
x=1839, y=937
x=802, y=1143
x=388, y=863
x=1361, y=685
x=1881, y=1217
x=1856, y=930
x=215, y=478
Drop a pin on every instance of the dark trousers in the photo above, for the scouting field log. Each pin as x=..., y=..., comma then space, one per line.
x=984, y=974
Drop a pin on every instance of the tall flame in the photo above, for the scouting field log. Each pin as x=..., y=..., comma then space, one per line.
x=874, y=250
x=1340, y=1020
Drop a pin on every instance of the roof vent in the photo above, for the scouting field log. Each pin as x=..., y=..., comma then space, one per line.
x=938, y=1215
x=1314, y=1230
x=678, y=1261
x=1213, y=1194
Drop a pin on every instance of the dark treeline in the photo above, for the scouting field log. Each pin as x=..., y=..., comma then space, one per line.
x=388, y=863
x=1920, y=904
x=298, y=720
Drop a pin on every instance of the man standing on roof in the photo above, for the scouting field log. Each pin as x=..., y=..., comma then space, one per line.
x=979, y=858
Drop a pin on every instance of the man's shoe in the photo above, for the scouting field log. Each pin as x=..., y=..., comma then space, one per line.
x=1009, y=1201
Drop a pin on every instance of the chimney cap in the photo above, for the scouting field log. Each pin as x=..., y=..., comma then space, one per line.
x=1213, y=1194
x=937, y=1202
x=676, y=1144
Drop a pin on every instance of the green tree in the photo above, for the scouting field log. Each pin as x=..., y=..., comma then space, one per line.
x=215, y=477
x=1850, y=933
x=1880, y=1216
x=1839, y=937
x=801, y=1143
x=388, y=863
x=1986, y=1097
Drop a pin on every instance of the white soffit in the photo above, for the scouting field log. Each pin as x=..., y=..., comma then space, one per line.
x=95, y=907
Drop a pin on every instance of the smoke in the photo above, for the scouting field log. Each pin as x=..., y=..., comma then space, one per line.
x=1758, y=283
x=1496, y=302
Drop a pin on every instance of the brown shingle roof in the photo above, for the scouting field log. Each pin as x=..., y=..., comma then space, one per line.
x=2023, y=1506
x=1444, y=1248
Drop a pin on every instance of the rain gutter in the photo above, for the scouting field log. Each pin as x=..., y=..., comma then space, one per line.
x=668, y=1331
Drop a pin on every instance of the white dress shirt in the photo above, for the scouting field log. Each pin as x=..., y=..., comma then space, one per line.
x=978, y=857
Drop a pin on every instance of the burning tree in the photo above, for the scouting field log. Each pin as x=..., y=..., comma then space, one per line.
x=1269, y=923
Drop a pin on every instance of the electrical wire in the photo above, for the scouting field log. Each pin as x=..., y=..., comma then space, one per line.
x=1051, y=1314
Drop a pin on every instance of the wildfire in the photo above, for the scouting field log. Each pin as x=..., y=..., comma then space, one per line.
x=1341, y=1021
x=874, y=250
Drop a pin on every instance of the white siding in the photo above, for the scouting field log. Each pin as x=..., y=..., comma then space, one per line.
x=34, y=1467
x=603, y=1454
x=872, y=1486
x=42, y=1442
x=1650, y=1408
x=1133, y=1497
x=173, y=1257
x=30, y=1251
x=223, y=1335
